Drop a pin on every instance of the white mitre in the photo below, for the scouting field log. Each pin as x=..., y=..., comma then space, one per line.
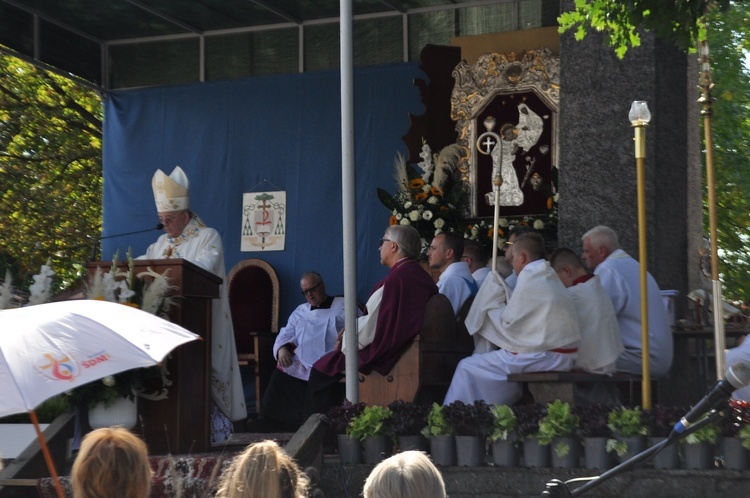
x=170, y=192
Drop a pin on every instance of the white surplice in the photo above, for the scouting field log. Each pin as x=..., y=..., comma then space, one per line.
x=202, y=246
x=600, y=334
x=539, y=316
x=313, y=333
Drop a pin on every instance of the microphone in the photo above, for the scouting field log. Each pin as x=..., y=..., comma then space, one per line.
x=94, y=249
x=737, y=377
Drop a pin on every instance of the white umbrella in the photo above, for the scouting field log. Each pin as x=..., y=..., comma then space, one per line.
x=51, y=348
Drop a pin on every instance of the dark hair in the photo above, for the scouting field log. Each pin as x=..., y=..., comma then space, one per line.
x=454, y=241
x=475, y=251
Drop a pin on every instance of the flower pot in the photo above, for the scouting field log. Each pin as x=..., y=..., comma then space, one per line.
x=635, y=445
x=377, y=448
x=535, y=454
x=595, y=454
x=470, y=451
x=416, y=442
x=667, y=458
x=698, y=456
x=350, y=449
x=566, y=452
x=443, y=450
x=736, y=456
x=123, y=412
x=505, y=453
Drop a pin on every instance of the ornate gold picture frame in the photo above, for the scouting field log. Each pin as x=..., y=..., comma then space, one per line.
x=506, y=111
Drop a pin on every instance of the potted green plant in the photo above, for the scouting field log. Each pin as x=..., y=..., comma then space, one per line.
x=407, y=421
x=629, y=428
x=504, y=437
x=440, y=434
x=594, y=433
x=735, y=435
x=339, y=417
x=472, y=424
x=558, y=427
x=661, y=420
x=698, y=448
x=535, y=452
x=372, y=428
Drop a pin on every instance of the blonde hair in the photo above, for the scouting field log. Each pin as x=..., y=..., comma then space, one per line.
x=409, y=474
x=111, y=463
x=263, y=470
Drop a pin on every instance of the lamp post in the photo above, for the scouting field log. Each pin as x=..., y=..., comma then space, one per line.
x=706, y=102
x=639, y=118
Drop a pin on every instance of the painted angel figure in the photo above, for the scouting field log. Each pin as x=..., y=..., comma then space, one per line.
x=523, y=136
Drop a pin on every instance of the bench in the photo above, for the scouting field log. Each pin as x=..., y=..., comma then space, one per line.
x=426, y=364
x=546, y=387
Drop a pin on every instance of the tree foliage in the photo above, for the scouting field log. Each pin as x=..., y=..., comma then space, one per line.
x=50, y=172
x=729, y=40
x=679, y=21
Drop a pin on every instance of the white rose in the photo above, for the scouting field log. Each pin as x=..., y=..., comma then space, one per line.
x=426, y=188
x=538, y=225
x=399, y=216
x=414, y=215
x=556, y=197
x=404, y=221
x=427, y=215
x=407, y=204
x=439, y=223
x=502, y=222
x=432, y=200
x=474, y=231
x=108, y=381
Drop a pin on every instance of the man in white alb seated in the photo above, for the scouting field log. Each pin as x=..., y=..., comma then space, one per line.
x=536, y=328
x=600, y=334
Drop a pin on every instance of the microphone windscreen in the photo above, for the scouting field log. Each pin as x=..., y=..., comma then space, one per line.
x=159, y=226
x=738, y=375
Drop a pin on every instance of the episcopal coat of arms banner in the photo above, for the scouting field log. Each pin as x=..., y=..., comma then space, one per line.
x=263, y=221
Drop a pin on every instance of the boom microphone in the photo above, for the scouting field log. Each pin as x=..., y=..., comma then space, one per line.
x=737, y=377
x=95, y=249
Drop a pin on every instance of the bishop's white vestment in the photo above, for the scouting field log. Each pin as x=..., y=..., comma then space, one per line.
x=202, y=246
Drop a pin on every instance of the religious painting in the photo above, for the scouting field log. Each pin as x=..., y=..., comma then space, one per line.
x=506, y=111
x=263, y=221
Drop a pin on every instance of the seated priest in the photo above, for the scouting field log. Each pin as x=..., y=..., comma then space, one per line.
x=535, y=327
x=601, y=343
x=455, y=282
x=311, y=331
x=395, y=313
x=187, y=237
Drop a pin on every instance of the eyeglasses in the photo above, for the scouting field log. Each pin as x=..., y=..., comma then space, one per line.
x=383, y=240
x=311, y=289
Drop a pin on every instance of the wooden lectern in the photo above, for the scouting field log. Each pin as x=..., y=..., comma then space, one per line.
x=181, y=422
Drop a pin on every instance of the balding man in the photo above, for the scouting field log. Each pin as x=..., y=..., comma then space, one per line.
x=620, y=276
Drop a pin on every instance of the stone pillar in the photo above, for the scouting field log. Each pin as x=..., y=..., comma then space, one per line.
x=597, y=180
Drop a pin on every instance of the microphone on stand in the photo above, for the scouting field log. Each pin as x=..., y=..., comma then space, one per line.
x=737, y=377
x=94, y=250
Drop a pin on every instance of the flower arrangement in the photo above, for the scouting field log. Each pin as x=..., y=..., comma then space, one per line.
x=428, y=199
x=127, y=288
x=39, y=291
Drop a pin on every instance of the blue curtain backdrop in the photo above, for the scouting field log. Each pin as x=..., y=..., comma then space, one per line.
x=271, y=133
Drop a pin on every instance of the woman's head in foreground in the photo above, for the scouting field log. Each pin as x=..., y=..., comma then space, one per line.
x=409, y=474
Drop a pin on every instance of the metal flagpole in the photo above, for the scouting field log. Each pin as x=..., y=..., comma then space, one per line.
x=706, y=103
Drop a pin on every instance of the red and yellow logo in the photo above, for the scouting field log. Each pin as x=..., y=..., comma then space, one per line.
x=58, y=368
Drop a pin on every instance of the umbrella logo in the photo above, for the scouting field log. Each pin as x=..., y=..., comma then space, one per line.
x=58, y=368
